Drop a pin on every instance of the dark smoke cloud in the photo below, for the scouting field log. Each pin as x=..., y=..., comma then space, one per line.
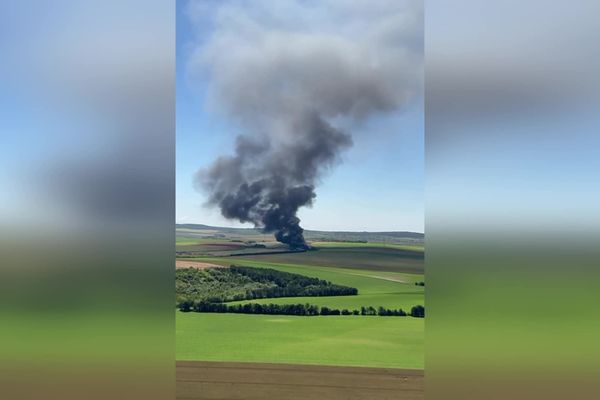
x=290, y=84
x=266, y=186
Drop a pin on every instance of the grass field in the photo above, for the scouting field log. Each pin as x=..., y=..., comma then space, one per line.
x=357, y=341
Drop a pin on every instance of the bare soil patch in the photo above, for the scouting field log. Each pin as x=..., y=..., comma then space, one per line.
x=230, y=380
x=195, y=264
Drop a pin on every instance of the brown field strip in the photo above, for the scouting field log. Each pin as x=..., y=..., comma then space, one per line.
x=195, y=264
x=258, y=381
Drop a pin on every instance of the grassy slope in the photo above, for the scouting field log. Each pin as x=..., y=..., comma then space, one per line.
x=360, y=341
x=374, y=287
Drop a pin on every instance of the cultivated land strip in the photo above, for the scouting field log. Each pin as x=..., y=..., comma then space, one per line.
x=227, y=380
x=196, y=264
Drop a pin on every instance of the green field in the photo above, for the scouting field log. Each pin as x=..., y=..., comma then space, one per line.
x=410, y=247
x=383, y=275
x=358, y=341
x=382, y=266
x=201, y=241
x=376, y=288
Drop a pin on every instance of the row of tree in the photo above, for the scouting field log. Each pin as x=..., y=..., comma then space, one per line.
x=293, y=309
x=293, y=290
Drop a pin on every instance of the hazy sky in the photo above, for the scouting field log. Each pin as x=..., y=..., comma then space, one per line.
x=377, y=186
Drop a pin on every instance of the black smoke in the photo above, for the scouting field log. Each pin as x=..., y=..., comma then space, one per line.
x=266, y=185
x=289, y=85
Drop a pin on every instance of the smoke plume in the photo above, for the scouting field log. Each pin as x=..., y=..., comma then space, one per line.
x=290, y=77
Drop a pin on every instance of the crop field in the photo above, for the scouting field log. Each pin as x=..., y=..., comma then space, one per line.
x=410, y=247
x=331, y=340
x=365, y=258
x=384, y=274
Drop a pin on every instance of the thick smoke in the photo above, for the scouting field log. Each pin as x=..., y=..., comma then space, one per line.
x=267, y=185
x=289, y=78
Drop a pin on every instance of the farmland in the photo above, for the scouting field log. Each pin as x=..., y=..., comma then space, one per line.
x=369, y=258
x=354, y=341
x=238, y=381
x=383, y=272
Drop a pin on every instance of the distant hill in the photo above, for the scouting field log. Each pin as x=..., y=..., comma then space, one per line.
x=198, y=226
x=395, y=234
x=391, y=236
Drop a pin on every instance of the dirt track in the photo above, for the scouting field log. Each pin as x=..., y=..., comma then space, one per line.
x=195, y=264
x=254, y=381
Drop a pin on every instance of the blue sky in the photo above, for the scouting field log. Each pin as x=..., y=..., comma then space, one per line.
x=377, y=186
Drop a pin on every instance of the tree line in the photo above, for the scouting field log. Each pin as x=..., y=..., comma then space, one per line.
x=294, y=309
x=289, y=285
x=217, y=285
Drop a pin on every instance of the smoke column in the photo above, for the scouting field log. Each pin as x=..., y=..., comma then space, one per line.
x=290, y=77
